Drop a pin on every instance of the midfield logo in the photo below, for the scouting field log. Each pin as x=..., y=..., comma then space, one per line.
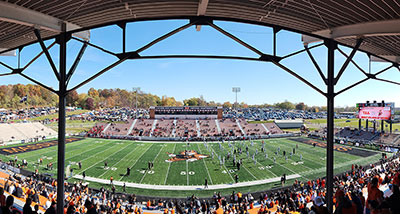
x=187, y=155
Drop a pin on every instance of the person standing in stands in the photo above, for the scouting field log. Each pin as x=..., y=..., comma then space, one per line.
x=91, y=209
x=9, y=207
x=52, y=208
x=27, y=207
x=2, y=197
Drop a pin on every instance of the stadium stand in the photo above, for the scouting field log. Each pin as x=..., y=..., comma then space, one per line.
x=253, y=128
x=374, y=188
x=164, y=128
x=186, y=128
x=189, y=128
x=120, y=128
x=27, y=132
x=142, y=128
x=208, y=128
x=229, y=127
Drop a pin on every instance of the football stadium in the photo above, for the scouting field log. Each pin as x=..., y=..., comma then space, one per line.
x=84, y=138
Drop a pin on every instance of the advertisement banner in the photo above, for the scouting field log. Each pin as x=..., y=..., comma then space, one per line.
x=374, y=113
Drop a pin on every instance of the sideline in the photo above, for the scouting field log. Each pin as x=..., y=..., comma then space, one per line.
x=184, y=187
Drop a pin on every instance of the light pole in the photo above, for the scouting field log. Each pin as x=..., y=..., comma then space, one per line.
x=136, y=90
x=235, y=90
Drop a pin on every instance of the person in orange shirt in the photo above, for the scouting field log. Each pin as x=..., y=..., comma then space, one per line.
x=374, y=194
x=343, y=204
x=218, y=210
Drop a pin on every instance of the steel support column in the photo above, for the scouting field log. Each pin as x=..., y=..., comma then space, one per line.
x=330, y=95
x=62, y=41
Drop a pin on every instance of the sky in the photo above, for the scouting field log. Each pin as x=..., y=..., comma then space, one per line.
x=260, y=82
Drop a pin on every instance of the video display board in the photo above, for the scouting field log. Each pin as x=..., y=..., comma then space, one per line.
x=375, y=111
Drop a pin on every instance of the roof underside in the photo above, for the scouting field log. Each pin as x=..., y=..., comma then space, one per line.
x=308, y=16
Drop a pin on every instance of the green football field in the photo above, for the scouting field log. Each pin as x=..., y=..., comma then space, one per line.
x=121, y=154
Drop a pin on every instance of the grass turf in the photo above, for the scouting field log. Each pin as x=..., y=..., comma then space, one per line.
x=122, y=154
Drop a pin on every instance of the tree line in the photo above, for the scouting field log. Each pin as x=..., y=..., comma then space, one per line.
x=11, y=96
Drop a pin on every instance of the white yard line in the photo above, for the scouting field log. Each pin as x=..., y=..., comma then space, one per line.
x=104, y=158
x=205, y=165
x=227, y=171
x=249, y=172
x=169, y=165
x=144, y=175
x=120, y=160
x=136, y=161
x=197, y=187
x=187, y=173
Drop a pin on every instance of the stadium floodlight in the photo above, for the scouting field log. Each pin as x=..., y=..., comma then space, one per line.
x=136, y=90
x=235, y=90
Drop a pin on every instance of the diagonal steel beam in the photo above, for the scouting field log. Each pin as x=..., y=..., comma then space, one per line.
x=383, y=70
x=316, y=65
x=7, y=66
x=6, y=74
x=46, y=52
x=353, y=85
x=37, y=56
x=165, y=36
x=39, y=83
x=298, y=77
x=346, y=63
x=76, y=62
x=100, y=73
x=389, y=81
x=301, y=51
x=352, y=61
x=236, y=39
x=95, y=46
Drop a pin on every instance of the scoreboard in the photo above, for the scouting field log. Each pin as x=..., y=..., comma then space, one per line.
x=375, y=111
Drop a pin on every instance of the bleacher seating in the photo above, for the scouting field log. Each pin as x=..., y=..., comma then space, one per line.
x=120, y=128
x=184, y=128
x=163, y=128
x=253, y=128
x=142, y=127
x=273, y=128
x=208, y=128
x=229, y=127
x=10, y=132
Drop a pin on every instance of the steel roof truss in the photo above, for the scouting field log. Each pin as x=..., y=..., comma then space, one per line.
x=46, y=52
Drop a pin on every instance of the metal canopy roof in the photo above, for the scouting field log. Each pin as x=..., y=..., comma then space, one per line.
x=378, y=21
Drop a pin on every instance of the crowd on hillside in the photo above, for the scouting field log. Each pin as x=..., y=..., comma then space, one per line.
x=372, y=189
